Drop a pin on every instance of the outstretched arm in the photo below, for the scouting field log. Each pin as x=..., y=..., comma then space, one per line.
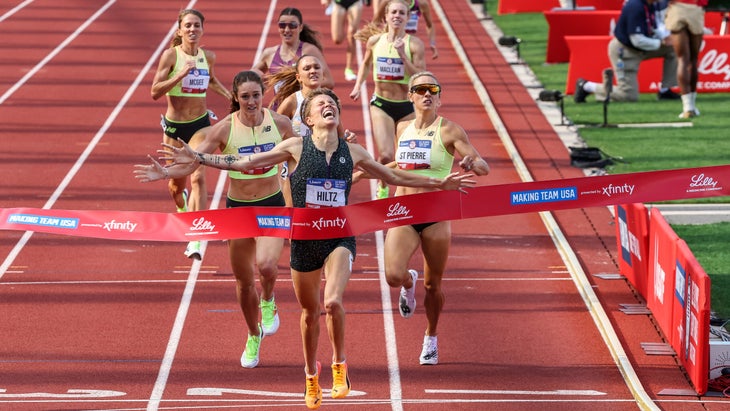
x=395, y=176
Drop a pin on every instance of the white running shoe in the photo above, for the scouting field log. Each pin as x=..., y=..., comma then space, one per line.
x=407, y=300
x=193, y=250
x=430, y=351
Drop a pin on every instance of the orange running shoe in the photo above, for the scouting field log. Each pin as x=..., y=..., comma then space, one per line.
x=313, y=392
x=340, y=380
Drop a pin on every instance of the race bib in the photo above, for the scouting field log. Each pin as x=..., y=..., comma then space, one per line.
x=414, y=154
x=196, y=82
x=261, y=148
x=390, y=68
x=325, y=192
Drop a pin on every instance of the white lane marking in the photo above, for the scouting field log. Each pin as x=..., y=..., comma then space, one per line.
x=515, y=392
x=220, y=391
x=67, y=179
x=69, y=394
x=391, y=344
x=15, y=9
x=55, y=52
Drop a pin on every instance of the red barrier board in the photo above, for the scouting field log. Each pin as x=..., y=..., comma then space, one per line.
x=563, y=23
x=589, y=56
x=537, y=6
x=632, y=238
x=662, y=256
x=690, y=334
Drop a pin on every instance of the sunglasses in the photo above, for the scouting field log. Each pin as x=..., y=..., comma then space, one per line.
x=292, y=25
x=423, y=88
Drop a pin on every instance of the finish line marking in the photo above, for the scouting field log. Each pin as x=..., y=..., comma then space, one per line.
x=514, y=392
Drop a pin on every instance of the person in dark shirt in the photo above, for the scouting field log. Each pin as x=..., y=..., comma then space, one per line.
x=639, y=35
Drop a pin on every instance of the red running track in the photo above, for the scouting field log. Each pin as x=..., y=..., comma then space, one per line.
x=96, y=324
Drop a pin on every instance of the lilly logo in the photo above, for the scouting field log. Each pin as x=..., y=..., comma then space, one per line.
x=201, y=224
x=702, y=181
x=397, y=210
x=714, y=62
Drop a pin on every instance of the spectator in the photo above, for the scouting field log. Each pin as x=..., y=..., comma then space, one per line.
x=686, y=20
x=639, y=35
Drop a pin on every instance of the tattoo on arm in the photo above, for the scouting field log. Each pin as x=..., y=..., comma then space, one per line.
x=201, y=158
x=230, y=159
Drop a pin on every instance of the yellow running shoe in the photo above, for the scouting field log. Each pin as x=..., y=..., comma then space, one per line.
x=340, y=380
x=269, y=316
x=313, y=392
x=184, y=208
x=350, y=75
x=250, y=357
x=383, y=191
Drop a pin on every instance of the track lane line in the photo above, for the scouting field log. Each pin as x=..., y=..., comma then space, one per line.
x=55, y=51
x=15, y=10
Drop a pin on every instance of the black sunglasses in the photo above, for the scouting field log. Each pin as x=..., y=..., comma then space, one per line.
x=423, y=88
x=292, y=25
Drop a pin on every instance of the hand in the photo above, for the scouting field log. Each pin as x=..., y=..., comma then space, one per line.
x=434, y=51
x=355, y=93
x=467, y=163
x=350, y=137
x=400, y=46
x=146, y=173
x=454, y=181
x=178, y=155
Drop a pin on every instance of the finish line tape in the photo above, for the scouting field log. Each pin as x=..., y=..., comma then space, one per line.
x=361, y=218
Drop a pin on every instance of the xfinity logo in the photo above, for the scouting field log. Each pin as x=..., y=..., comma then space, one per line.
x=115, y=225
x=322, y=223
x=611, y=189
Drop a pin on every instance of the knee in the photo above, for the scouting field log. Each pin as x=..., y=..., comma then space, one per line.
x=392, y=279
x=310, y=315
x=333, y=307
x=386, y=157
x=268, y=269
x=245, y=284
x=433, y=288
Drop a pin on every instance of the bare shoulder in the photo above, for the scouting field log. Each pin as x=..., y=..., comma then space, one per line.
x=221, y=129
x=358, y=153
x=451, y=128
x=168, y=57
x=401, y=126
x=281, y=120
x=288, y=106
x=374, y=39
x=209, y=54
